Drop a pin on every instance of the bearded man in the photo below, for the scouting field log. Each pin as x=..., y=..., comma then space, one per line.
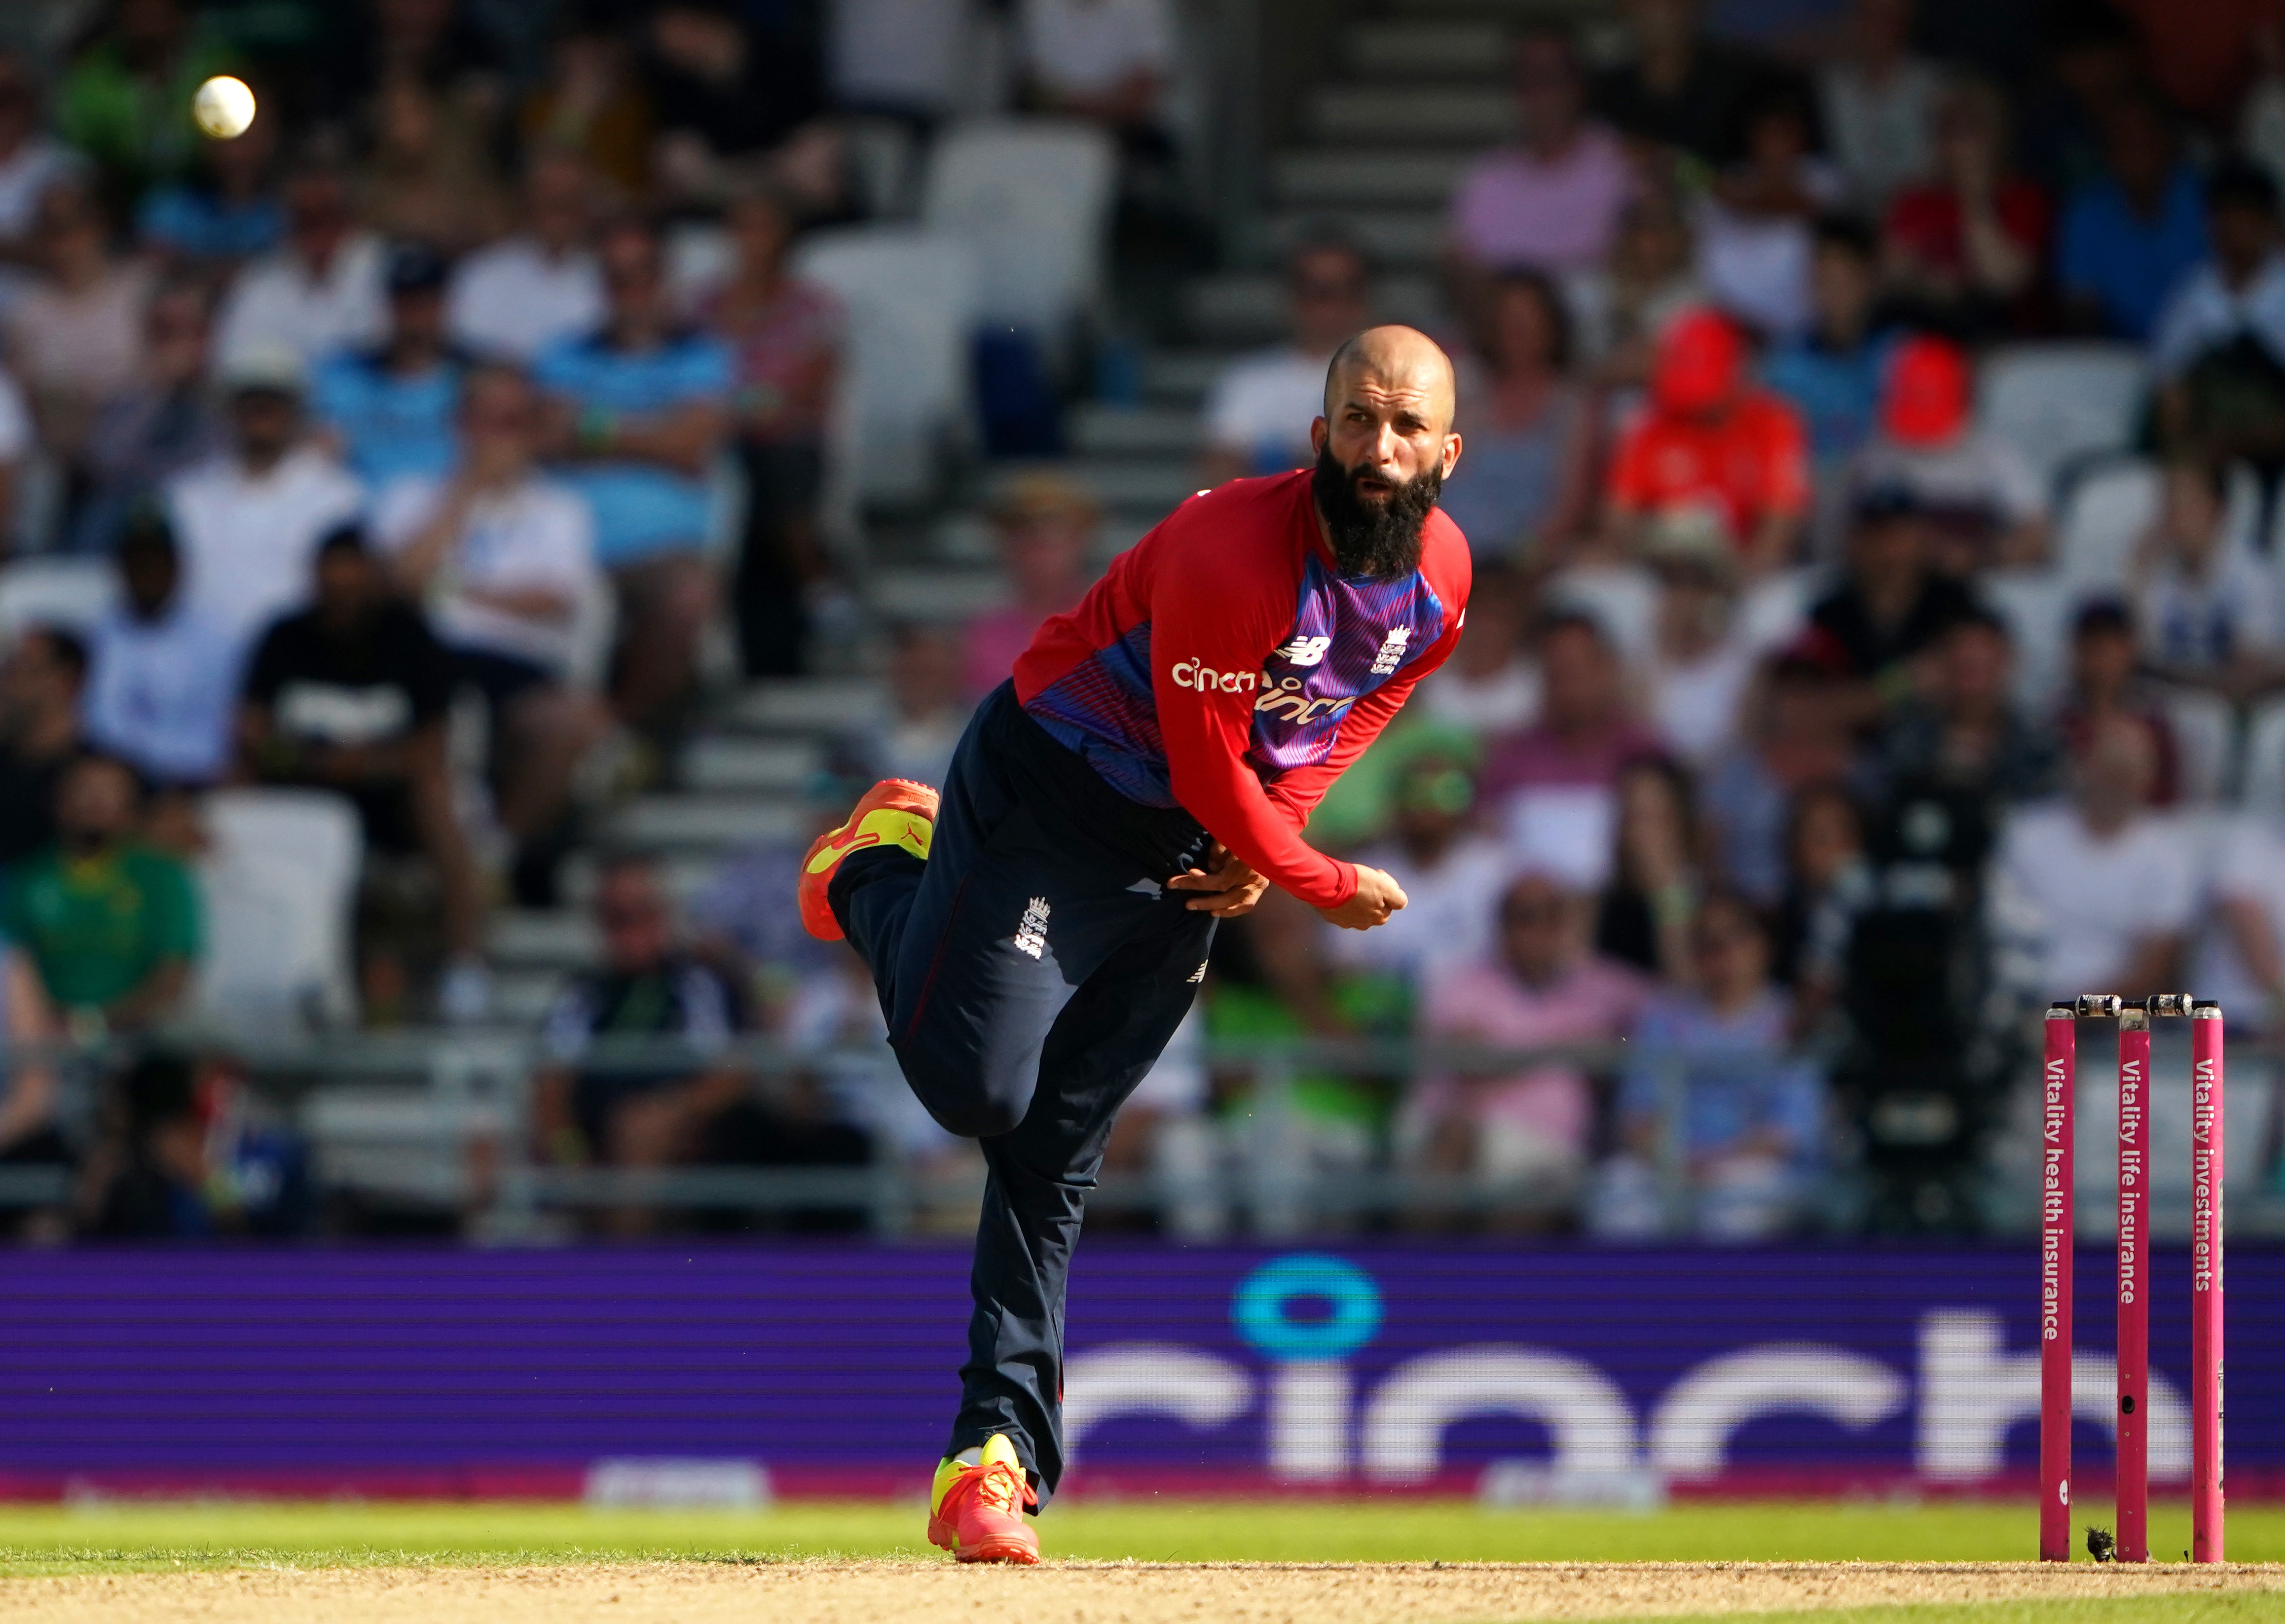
x=1038, y=931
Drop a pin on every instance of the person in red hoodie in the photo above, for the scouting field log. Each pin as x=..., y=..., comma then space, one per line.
x=1038, y=931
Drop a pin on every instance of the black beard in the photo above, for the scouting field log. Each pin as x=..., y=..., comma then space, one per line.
x=1380, y=539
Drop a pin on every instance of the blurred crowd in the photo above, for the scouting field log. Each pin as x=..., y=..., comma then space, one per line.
x=1822, y=709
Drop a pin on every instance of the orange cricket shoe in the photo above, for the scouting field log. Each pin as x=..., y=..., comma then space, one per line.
x=896, y=812
x=977, y=1512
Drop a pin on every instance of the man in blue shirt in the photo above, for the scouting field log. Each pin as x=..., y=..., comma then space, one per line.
x=391, y=410
x=2130, y=236
x=1832, y=374
x=638, y=410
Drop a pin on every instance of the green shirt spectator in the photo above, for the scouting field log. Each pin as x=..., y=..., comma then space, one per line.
x=125, y=100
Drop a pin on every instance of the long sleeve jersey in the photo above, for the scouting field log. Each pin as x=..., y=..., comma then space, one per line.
x=1224, y=665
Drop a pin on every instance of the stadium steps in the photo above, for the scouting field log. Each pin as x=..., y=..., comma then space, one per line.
x=1312, y=177
x=540, y=939
x=813, y=705
x=1438, y=115
x=737, y=763
x=1249, y=306
x=1439, y=48
x=697, y=825
x=1181, y=377
x=1132, y=431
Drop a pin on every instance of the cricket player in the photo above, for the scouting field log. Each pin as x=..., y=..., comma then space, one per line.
x=1039, y=930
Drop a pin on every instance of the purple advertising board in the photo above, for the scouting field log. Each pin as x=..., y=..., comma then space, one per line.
x=832, y=1367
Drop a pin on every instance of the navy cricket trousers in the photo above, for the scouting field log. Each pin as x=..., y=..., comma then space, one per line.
x=1030, y=977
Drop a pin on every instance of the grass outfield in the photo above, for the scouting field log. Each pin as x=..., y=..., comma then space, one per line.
x=125, y=1536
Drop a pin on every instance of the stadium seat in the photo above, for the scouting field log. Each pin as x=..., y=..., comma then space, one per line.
x=67, y=592
x=1032, y=197
x=2036, y=605
x=2106, y=511
x=2263, y=781
x=2060, y=404
x=910, y=295
x=278, y=880
x=2205, y=733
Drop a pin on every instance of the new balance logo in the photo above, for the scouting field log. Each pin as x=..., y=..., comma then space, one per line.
x=1031, y=930
x=1392, y=651
x=1305, y=650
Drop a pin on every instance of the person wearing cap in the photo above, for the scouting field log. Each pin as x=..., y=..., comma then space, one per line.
x=389, y=411
x=1045, y=527
x=1700, y=666
x=2219, y=346
x=1986, y=503
x=247, y=519
x=1709, y=438
x=162, y=672
x=323, y=288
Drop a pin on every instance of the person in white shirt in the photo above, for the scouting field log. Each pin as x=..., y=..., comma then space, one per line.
x=505, y=560
x=249, y=520
x=1700, y=664
x=1490, y=686
x=2206, y=605
x=1452, y=878
x=513, y=299
x=1258, y=412
x=2237, y=297
x=322, y=290
x=2107, y=888
x=1105, y=61
x=162, y=676
x=1879, y=105
x=2239, y=956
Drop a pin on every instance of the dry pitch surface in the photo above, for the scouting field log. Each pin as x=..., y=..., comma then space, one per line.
x=895, y=1592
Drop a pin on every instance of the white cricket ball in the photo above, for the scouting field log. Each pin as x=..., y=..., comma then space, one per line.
x=224, y=108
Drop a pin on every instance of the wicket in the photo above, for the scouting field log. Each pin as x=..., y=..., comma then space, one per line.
x=2059, y=1078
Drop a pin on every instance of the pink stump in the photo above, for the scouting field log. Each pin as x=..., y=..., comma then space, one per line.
x=2056, y=1214
x=2205, y=1282
x=2133, y=1286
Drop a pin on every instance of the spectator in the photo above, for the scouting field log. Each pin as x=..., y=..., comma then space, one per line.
x=1490, y=686
x=2111, y=886
x=1450, y=875
x=226, y=212
x=2219, y=346
x=389, y=412
x=1700, y=664
x=2198, y=55
x=1965, y=733
x=19, y=438
x=1709, y=439
x=247, y=519
x=184, y=1155
x=1523, y=1132
x=2208, y=606
x=2261, y=117
x=351, y=695
x=1832, y=373
x=111, y=924
x=125, y=99
x=1965, y=247
x=525, y=293
x=1824, y=852
x=663, y=1111
x=1753, y=229
x=1798, y=736
x=2106, y=679
x=32, y=161
x=324, y=289
x=1680, y=89
x=1045, y=525
x=638, y=414
x=929, y=707
x=75, y=336
x=42, y=682
x=1550, y=202
x=1108, y=62
x=1624, y=308
x=1524, y=487
x=1258, y=412
x=162, y=675
x=2239, y=958
x=163, y=423
x=785, y=336
x=1550, y=785
x=738, y=925
x=1890, y=608
x=1657, y=871
x=29, y=1135
x=1748, y=1121
x=505, y=558
x=2129, y=235
x=1880, y=104
x=443, y=45
x=589, y=110
x=1981, y=501
x=719, y=94
x=428, y=177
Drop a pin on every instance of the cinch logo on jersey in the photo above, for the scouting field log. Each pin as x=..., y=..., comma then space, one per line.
x=1278, y=695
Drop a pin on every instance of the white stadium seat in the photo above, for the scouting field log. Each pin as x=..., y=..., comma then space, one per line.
x=1032, y=197
x=277, y=879
x=2060, y=402
x=69, y=593
x=2106, y=512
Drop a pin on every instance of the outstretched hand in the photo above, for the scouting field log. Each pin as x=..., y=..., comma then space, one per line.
x=1225, y=889
x=1378, y=897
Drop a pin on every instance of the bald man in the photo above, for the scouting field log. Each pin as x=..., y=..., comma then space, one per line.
x=1038, y=933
